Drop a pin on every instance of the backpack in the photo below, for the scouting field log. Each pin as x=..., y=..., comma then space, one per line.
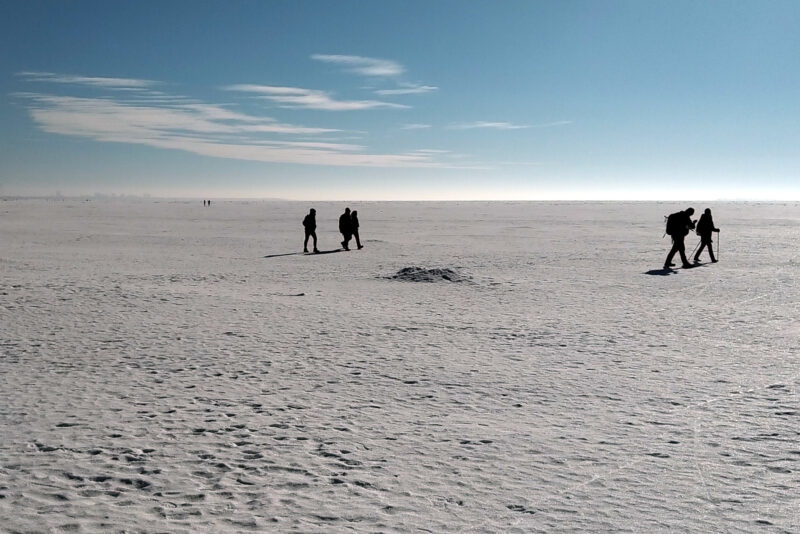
x=675, y=224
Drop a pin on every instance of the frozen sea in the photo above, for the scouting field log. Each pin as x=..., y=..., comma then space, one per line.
x=166, y=367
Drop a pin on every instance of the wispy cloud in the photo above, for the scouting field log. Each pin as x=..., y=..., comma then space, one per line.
x=94, y=81
x=106, y=119
x=415, y=126
x=487, y=124
x=151, y=118
x=551, y=124
x=408, y=89
x=366, y=66
x=504, y=125
x=429, y=151
x=345, y=147
x=377, y=68
x=297, y=97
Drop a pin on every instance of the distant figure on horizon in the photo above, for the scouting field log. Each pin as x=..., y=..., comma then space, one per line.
x=310, y=225
x=705, y=227
x=346, y=228
x=209, y=203
x=678, y=226
x=204, y=203
x=354, y=227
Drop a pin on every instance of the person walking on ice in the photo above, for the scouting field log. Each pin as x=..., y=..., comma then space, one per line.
x=678, y=226
x=310, y=225
x=354, y=227
x=705, y=227
x=346, y=228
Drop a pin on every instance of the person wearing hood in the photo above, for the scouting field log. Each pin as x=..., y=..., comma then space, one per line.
x=705, y=227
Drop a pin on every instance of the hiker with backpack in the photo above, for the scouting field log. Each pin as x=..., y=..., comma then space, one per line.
x=678, y=226
x=705, y=227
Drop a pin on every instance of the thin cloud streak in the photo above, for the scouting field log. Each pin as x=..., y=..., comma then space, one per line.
x=408, y=89
x=415, y=126
x=366, y=66
x=73, y=115
x=551, y=124
x=375, y=67
x=94, y=81
x=487, y=124
x=298, y=97
x=504, y=125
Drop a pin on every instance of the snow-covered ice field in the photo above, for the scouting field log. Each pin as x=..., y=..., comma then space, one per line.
x=167, y=367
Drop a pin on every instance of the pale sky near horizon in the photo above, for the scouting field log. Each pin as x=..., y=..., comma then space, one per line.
x=402, y=100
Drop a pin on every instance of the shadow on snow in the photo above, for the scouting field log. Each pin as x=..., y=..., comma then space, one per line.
x=661, y=272
x=305, y=253
x=669, y=270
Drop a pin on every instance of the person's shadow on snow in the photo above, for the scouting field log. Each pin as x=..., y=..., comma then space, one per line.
x=669, y=270
x=661, y=272
x=305, y=253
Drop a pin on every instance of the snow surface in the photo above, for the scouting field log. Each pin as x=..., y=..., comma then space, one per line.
x=167, y=367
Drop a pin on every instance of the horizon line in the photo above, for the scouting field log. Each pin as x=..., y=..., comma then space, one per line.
x=146, y=197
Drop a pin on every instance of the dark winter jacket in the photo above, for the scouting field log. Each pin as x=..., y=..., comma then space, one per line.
x=705, y=226
x=345, y=224
x=310, y=223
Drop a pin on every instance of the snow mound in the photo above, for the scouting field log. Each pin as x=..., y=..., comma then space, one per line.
x=421, y=274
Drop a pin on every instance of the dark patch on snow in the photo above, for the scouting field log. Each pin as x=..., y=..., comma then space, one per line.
x=520, y=508
x=421, y=274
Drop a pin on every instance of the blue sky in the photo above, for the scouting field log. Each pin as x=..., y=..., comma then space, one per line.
x=402, y=100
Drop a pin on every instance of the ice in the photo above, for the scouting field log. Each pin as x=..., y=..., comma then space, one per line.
x=170, y=367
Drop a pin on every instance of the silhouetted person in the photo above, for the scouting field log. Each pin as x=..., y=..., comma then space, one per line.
x=204, y=203
x=310, y=225
x=705, y=227
x=209, y=203
x=354, y=227
x=678, y=226
x=346, y=228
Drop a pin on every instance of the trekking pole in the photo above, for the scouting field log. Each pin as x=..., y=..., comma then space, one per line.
x=718, y=242
x=695, y=247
